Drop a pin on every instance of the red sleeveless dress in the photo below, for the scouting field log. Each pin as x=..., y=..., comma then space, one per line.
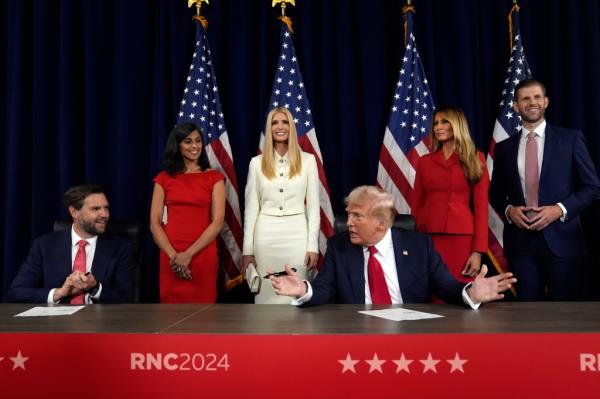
x=188, y=198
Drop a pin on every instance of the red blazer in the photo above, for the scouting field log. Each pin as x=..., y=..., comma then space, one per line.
x=441, y=199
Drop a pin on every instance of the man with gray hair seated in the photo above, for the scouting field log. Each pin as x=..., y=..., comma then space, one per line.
x=374, y=263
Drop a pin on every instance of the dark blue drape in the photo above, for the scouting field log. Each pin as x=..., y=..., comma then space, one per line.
x=90, y=90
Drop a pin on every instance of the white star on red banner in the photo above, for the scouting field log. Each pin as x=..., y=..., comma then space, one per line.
x=457, y=363
x=402, y=364
x=19, y=361
x=375, y=364
x=348, y=364
x=429, y=364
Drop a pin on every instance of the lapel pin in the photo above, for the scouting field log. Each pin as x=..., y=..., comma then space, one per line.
x=405, y=252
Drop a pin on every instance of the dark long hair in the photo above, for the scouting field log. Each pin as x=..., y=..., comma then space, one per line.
x=172, y=158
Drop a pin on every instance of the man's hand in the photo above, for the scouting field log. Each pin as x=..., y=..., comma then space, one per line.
x=544, y=216
x=517, y=216
x=84, y=281
x=473, y=265
x=489, y=289
x=533, y=218
x=74, y=284
x=290, y=285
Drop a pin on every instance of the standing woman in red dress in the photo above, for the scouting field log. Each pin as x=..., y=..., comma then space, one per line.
x=194, y=196
x=450, y=195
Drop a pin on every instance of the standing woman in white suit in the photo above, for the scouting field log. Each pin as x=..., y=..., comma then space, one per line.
x=281, y=222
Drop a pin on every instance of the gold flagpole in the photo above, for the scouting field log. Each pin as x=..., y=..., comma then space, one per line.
x=515, y=8
x=405, y=10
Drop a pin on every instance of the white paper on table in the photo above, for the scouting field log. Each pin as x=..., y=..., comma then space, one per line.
x=400, y=314
x=50, y=311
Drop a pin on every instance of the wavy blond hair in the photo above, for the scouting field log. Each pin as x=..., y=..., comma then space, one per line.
x=382, y=202
x=463, y=144
x=268, y=160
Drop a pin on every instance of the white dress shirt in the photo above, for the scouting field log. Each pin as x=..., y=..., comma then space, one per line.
x=282, y=196
x=540, y=138
x=90, y=250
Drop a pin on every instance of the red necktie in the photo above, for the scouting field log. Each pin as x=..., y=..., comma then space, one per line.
x=532, y=177
x=377, y=284
x=79, y=266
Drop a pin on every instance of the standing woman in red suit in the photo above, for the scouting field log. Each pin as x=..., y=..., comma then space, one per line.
x=194, y=196
x=450, y=196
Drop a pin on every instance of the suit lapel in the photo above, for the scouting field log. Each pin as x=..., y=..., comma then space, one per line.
x=101, y=259
x=513, y=155
x=66, y=257
x=549, y=147
x=400, y=253
x=355, y=259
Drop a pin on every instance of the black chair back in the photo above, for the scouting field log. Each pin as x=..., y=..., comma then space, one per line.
x=127, y=229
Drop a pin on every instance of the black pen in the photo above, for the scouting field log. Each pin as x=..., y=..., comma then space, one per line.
x=86, y=274
x=278, y=274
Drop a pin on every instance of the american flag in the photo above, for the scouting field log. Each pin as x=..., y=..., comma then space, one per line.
x=289, y=92
x=507, y=123
x=409, y=123
x=200, y=104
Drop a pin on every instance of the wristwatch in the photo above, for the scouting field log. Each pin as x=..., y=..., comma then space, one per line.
x=94, y=290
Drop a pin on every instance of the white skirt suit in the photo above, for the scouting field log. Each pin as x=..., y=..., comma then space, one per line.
x=281, y=221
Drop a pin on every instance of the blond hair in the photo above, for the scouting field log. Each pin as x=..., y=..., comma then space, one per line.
x=268, y=160
x=463, y=145
x=382, y=202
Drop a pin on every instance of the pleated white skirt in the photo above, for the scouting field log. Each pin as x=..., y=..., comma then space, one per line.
x=279, y=240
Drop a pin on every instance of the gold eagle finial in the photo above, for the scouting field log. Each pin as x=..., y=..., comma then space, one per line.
x=283, y=4
x=198, y=17
x=197, y=2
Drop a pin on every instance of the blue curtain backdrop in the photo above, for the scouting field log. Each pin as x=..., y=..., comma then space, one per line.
x=90, y=89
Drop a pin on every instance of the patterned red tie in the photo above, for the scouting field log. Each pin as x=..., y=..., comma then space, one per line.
x=79, y=266
x=532, y=177
x=377, y=284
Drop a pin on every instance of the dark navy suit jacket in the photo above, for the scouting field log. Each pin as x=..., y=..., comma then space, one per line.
x=421, y=271
x=49, y=263
x=567, y=176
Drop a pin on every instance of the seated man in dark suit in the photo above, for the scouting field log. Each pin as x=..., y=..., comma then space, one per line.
x=78, y=265
x=374, y=263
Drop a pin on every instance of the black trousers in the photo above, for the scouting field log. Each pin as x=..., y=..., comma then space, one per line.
x=543, y=276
